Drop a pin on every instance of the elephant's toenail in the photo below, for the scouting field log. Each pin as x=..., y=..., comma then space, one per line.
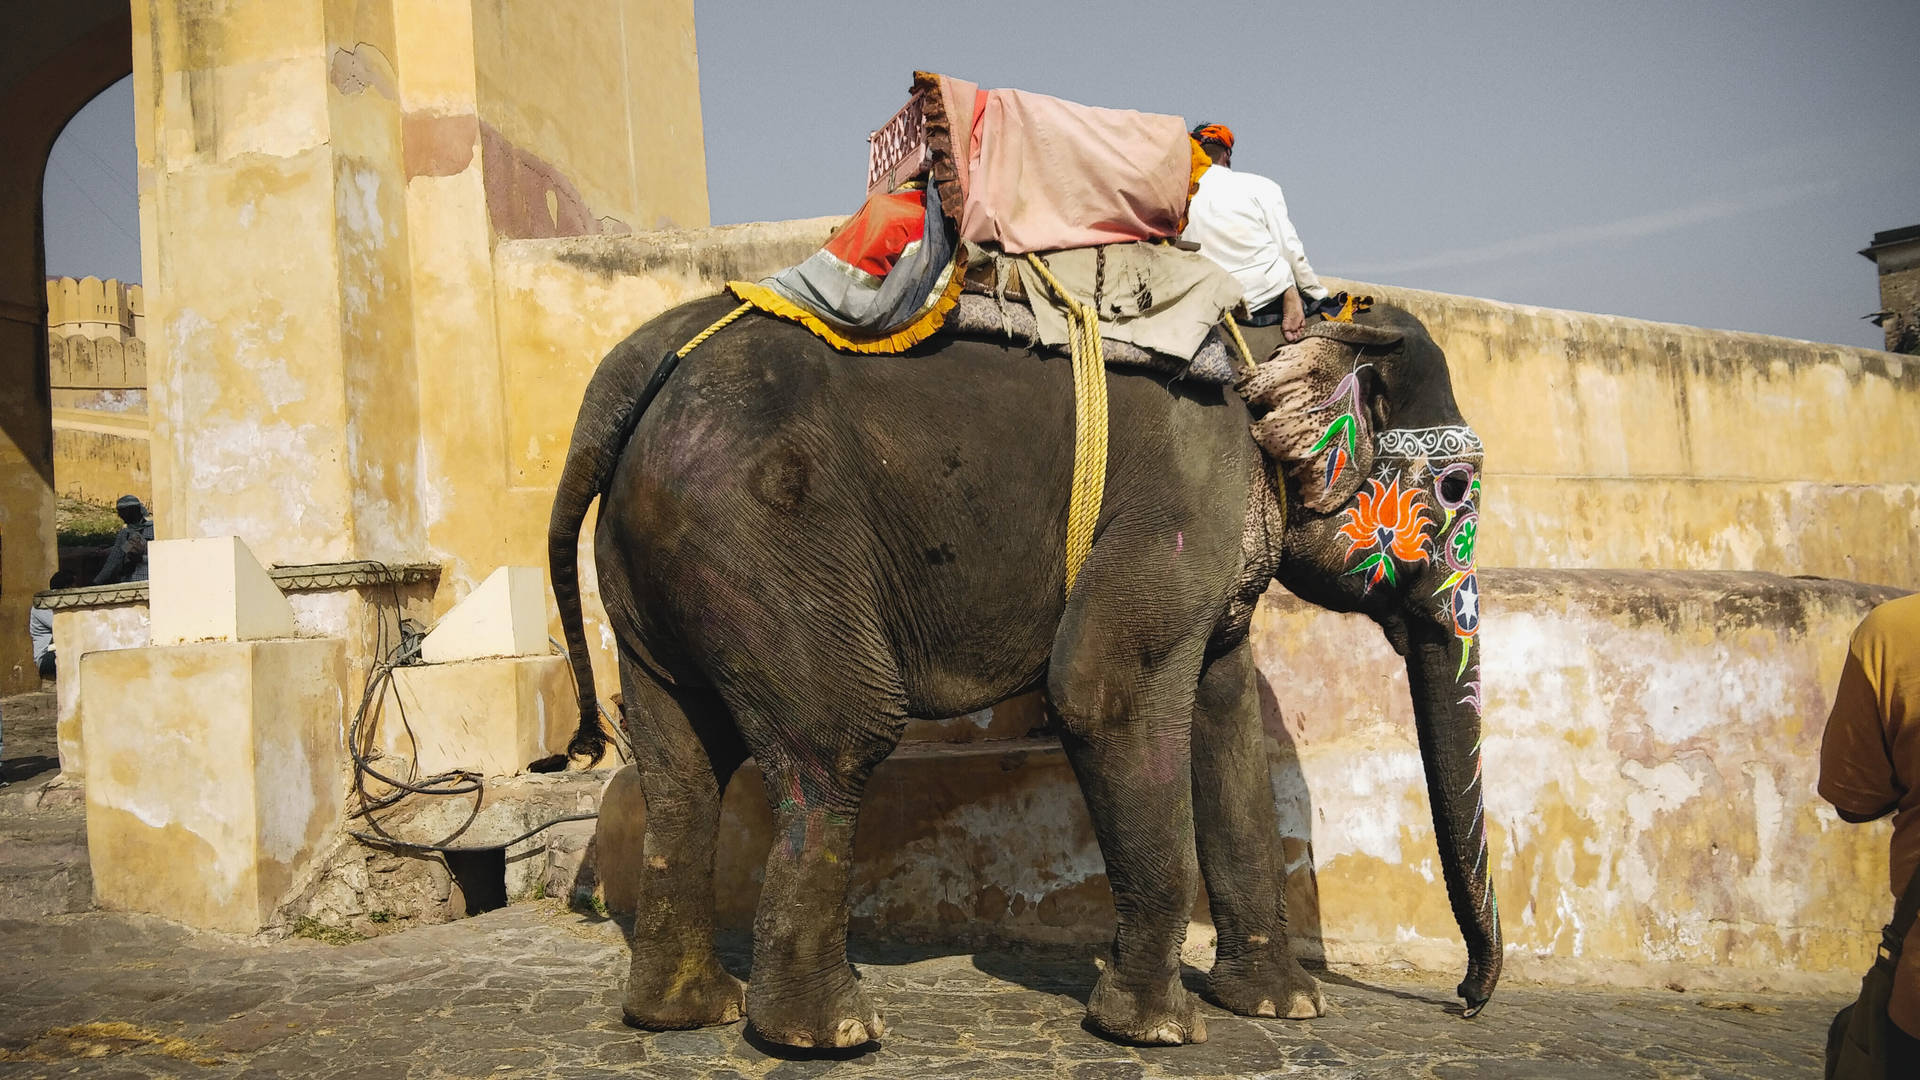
x=850, y=1033
x=1265, y=1008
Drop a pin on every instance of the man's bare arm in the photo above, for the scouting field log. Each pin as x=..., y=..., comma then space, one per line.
x=1293, y=314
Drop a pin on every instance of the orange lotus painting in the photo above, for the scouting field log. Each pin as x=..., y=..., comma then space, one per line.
x=1391, y=521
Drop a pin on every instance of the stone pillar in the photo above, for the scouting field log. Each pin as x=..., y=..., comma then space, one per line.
x=525, y=121
x=274, y=234
x=322, y=186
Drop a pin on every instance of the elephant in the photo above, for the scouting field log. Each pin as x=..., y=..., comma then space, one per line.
x=799, y=551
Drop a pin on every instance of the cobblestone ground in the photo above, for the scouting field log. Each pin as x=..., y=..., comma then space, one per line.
x=532, y=990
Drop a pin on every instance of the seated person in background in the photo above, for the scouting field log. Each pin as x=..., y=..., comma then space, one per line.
x=128, y=559
x=1869, y=762
x=1240, y=221
x=40, y=627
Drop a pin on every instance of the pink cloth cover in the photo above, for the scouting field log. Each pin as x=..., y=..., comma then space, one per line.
x=1044, y=174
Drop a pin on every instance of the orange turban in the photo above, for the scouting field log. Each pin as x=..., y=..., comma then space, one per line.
x=1219, y=133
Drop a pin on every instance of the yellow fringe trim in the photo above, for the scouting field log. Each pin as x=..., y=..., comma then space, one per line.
x=1197, y=163
x=899, y=341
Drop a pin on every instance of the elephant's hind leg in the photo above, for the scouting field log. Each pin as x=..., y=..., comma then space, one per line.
x=1237, y=833
x=816, y=760
x=686, y=749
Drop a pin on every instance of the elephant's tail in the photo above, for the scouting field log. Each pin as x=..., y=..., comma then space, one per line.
x=615, y=400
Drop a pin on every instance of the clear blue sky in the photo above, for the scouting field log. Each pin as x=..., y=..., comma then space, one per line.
x=1708, y=163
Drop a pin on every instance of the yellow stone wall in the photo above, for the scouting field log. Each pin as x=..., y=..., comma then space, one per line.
x=611, y=88
x=101, y=456
x=97, y=369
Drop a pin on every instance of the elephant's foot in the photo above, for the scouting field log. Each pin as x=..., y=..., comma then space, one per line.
x=1165, y=1015
x=1270, y=982
x=841, y=1017
x=697, y=993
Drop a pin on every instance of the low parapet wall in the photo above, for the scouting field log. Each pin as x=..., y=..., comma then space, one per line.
x=1652, y=745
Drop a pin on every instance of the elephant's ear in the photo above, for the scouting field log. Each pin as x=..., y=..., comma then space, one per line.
x=1318, y=397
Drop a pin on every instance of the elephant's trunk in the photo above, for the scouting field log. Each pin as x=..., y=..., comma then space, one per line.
x=1443, y=670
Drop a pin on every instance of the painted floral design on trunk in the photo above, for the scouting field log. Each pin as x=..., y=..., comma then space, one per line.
x=1456, y=490
x=1393, y=524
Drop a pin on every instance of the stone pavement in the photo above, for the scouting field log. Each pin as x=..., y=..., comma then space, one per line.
x=531, y=990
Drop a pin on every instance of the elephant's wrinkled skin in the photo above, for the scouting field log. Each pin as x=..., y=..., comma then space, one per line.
x=799, y=551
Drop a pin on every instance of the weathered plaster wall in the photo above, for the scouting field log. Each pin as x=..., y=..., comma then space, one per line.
x=321, y=192
x=590, y=115
x=101, y=456
x=262, y=230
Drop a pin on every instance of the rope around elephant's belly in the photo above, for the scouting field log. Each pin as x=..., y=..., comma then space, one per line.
x=1089, y=422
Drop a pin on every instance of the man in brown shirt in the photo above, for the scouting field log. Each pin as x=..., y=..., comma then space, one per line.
x=1870, y=765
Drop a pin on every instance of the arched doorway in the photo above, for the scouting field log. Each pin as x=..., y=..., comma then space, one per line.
x=55, y=59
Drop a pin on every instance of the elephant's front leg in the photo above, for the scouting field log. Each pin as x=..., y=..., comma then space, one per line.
x=1129, y=748
x=1237, y=834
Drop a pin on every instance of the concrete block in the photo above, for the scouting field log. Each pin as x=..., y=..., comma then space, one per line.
x=77, y=632
x=505, y=616
x=215, y=775
x=212, y=589
x=492, y=716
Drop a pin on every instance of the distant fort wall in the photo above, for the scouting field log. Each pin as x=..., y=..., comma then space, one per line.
x=97, y=368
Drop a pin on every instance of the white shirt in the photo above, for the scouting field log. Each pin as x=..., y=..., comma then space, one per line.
x=1240, y=221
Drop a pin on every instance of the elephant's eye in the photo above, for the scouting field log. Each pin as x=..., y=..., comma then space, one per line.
x=1453, y=488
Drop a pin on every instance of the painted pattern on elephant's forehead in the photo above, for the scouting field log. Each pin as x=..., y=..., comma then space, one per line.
x=1433, y=443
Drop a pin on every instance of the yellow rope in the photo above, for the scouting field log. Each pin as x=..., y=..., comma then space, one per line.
x=1240, y=343
x=703, y=335
x=1089, y=422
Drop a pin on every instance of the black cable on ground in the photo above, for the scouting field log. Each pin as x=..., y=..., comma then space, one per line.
x=405, y=652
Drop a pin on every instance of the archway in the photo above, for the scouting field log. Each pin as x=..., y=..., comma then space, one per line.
x=56, y=59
